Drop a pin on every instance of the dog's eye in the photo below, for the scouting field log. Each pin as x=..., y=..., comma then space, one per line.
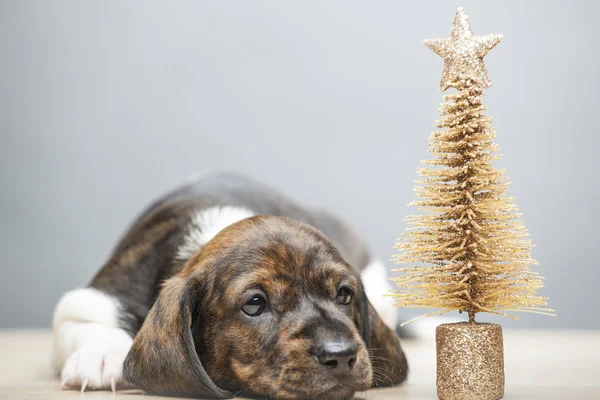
x=344, y=295
x=255, y=306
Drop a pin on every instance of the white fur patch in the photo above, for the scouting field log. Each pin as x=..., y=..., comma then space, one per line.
x=376, y=283
x=206, y=224
x=89, y=347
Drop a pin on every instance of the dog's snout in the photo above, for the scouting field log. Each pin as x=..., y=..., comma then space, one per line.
x=339, y=356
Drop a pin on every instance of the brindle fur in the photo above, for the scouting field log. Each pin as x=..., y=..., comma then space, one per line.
x=191, y=337
x=146, y=255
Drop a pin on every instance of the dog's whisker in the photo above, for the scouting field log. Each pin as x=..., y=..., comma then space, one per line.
x=385, y=372
x=386, y=376
x=379, y=375
x=384, y=360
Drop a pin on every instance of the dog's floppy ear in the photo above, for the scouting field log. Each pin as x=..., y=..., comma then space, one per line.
x=163, y=358
x=387, y=358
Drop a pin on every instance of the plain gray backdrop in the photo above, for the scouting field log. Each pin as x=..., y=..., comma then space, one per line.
x=107, y=104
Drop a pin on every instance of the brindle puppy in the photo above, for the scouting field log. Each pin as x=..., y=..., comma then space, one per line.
x=267, y=306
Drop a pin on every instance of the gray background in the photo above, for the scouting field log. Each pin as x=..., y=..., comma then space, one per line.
x=105, y=105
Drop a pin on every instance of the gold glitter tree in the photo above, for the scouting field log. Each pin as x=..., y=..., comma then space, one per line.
x=472, y=251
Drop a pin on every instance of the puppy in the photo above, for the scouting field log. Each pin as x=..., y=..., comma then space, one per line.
x=224, y=286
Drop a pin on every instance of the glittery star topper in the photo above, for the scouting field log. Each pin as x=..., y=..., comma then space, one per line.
x=463, y=52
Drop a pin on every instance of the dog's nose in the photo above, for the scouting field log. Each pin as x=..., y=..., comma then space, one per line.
x=338, y=356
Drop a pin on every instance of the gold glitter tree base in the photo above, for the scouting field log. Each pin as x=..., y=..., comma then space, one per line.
x=470, y=361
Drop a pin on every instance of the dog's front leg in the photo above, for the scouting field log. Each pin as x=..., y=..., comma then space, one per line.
x=89, y=346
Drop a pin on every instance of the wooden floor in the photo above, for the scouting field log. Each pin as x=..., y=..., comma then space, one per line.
x=539, y=365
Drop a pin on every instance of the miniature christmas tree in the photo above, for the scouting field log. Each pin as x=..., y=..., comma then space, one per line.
x=471, y=250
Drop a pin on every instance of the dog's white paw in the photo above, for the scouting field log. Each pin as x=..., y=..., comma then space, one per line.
x=94, y=366
x=89, y=346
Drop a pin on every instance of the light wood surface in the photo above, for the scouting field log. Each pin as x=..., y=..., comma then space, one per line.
x=539, y=365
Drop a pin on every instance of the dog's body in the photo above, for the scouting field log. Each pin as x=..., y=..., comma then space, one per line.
x=196, y=273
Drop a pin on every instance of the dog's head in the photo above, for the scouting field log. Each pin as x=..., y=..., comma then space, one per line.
x=270, y=308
